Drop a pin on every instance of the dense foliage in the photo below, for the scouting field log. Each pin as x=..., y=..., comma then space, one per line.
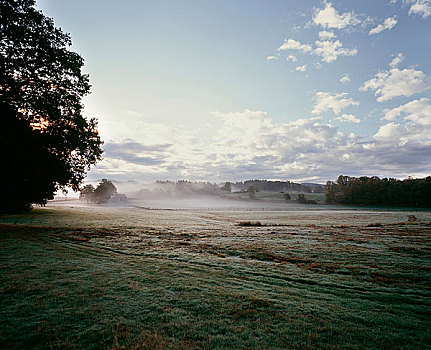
x=46, y=144
x=102, y=194
x=383, y=192
x=87, y=193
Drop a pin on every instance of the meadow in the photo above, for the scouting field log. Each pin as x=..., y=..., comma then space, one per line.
x=298, y=277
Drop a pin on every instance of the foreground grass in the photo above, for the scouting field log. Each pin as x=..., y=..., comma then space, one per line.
x=112, y=279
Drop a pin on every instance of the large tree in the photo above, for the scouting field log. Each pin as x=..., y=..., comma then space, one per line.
x=104, y=191
x=46, y=144
x=102, y=194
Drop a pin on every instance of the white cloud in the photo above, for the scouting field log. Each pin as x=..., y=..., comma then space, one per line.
x=327, y=48
x=397, y=60
x=345, y=78
x=406, y=137
x=250, y=144
x=326, y=101
x=308, y=147
x=388, y=24
x=409, y=126
x=329, y=17
x=291, y=44
x=417, y=111
x=420, y=7
x=301, y=68
x=325, y=35
x=330, y=50
x=348, y=118
x=251, y=139
x=271, y=58
x=396, y=82
x=389, y=132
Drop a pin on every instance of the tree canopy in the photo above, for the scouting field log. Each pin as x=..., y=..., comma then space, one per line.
x=104, y=191
x=87, y=193
x=227, y=186
x=46, y=143
x=102, y=194
x=382, y=192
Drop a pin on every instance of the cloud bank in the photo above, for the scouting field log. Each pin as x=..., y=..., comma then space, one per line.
x=250, y=144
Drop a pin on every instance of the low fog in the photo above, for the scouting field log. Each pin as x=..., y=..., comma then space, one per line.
x=194, y=195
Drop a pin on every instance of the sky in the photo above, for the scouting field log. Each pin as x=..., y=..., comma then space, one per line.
x=255, y=89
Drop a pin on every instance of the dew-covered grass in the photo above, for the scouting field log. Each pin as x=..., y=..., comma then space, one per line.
x=112, y=278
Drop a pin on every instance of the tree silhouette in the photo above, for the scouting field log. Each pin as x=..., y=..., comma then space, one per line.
x=383, y=192
x=252, y=192
x=46, y=143
x=87, y=193
x=104, y=191
x=301, y=198
x=286, y=196
x=227, y=186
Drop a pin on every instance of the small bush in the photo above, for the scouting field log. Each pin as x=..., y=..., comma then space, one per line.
x=375, y=224
x=412, y=218
x=249, y=223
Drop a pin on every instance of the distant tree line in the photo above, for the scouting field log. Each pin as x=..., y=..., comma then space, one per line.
x=278, y=186
x=185, y=188
x=178, y=189
x=381, y=192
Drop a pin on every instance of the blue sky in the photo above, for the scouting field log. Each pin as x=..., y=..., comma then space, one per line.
x=234, y=90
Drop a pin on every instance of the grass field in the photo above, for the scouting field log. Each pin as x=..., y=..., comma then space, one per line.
x=127, y=278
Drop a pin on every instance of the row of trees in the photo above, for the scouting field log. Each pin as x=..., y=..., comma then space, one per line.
x=101, y=194
x=178, y=189
x=382, y=192
x=273, y=186
x=185, y=188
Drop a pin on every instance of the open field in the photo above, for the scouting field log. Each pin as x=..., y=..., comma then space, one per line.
x=112, y=278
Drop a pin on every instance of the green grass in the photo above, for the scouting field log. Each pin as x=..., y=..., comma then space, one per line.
x=103, y=278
